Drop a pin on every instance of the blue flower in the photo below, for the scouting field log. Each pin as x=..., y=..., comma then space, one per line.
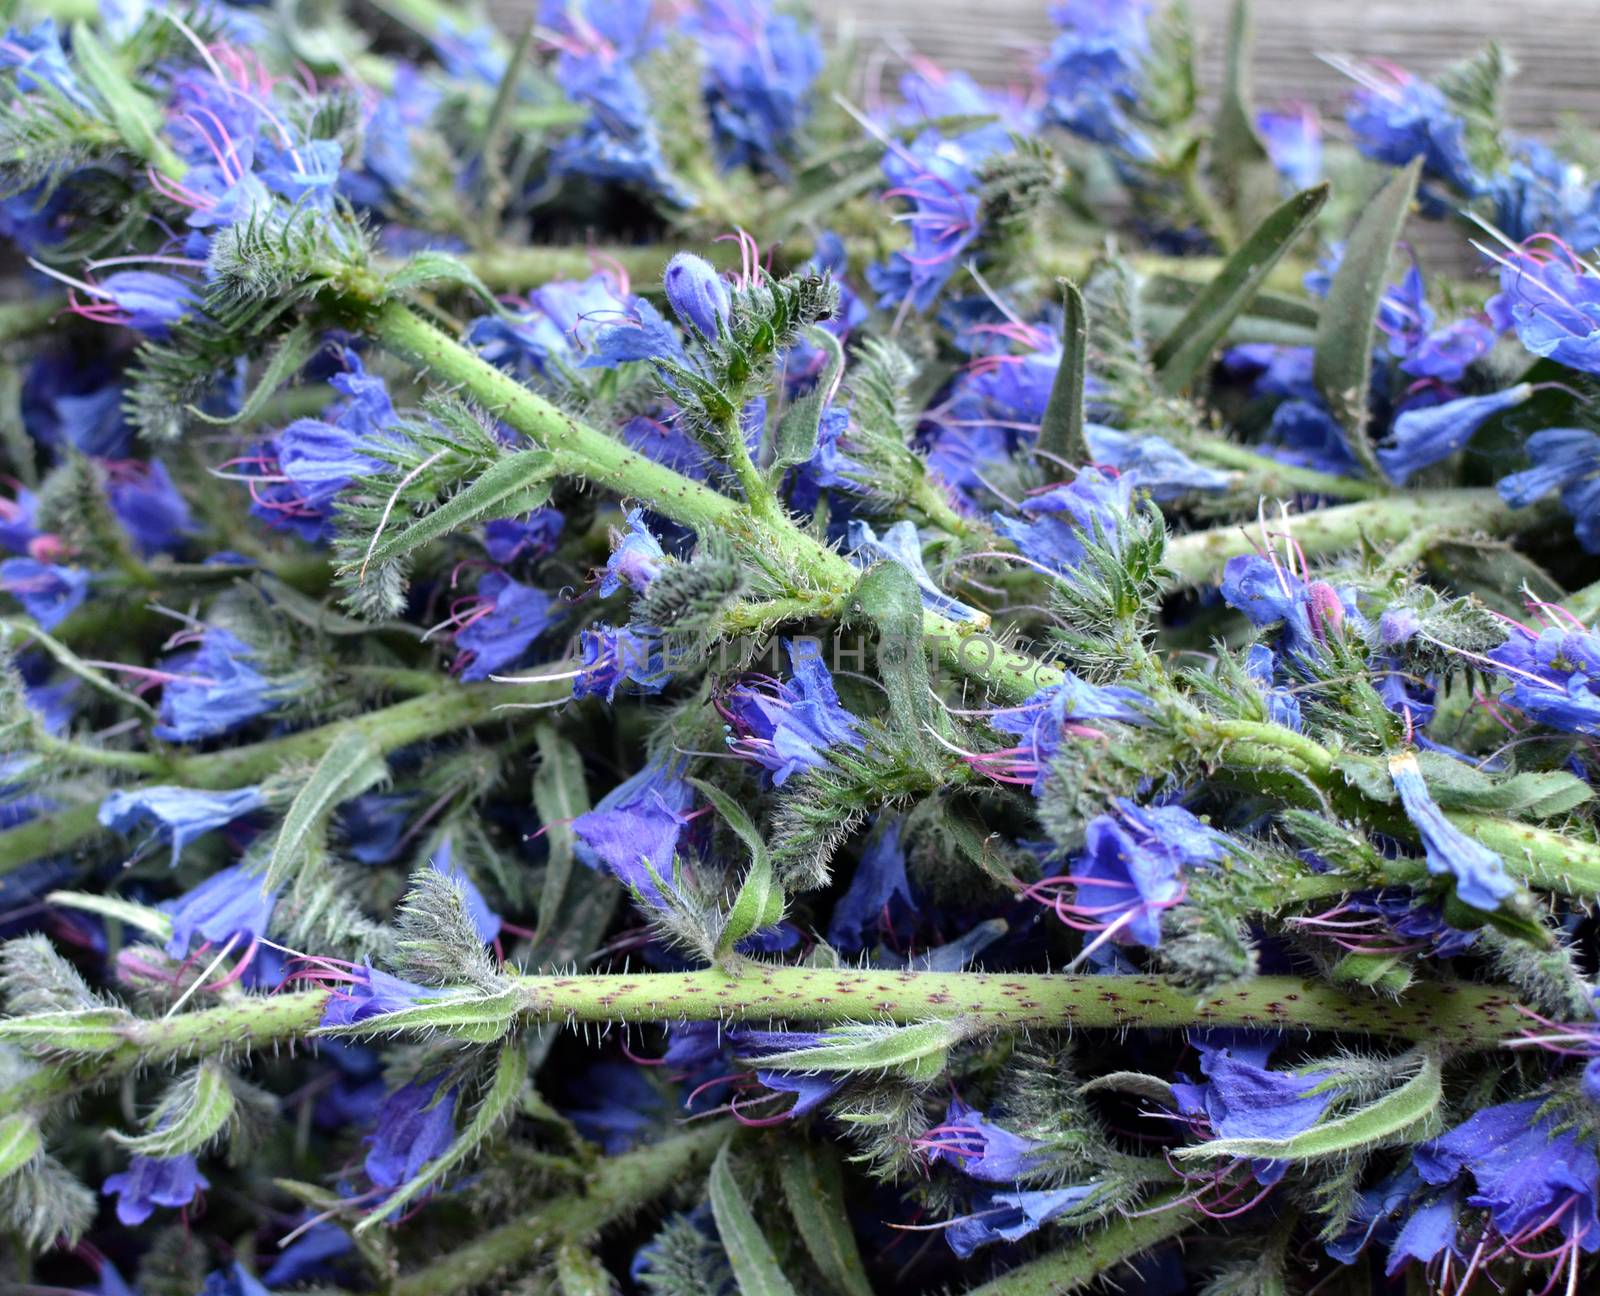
x=485, y=921
x=1554, y=305
x=229, y=903
x=147, y=503
x=41, y=64
x=17, y=521
x=617, y=1107
x=1244, y=1099
x=235, y=1280
x=1092, y=508
x=212, y=689
x=1421, y=437
x=371, y=993
x=1541, y=193
x=508, y=539
x=613, y=656
x=902, y=545
x=1095, y=69
x=634, y=830
x=48, y=593
x=1529, y=1173
x=562, y=323
x=759, y=70
x=878, y=882
x=1283, y=707
x=1555, y=677
x=1568, y=460
x=1399, y=117
x=177, y=814
x=1269, y=594
x=1009, y=1217
x=1481, y=878
x=142, y=300
x=1150, y=463
x=416, y=1124
x=308, y=1256
x=635, y=559
x=1052, y=715
x=305, y=174
x=697, y=295
x=1429, y=1226
x=507, y=621
x=787, y=728
x=937, y=177
x=979, y=1148
x=149, y=1182
x=1294, y=143
x=811, y=1089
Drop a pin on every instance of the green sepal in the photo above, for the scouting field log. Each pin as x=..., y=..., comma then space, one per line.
x=760, y=900
x=286, y=358
x=133, y=113
x=428, y=268
x=141, y=917
x=888, y=596
x=796, y=438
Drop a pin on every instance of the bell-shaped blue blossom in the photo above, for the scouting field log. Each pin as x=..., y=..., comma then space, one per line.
x=1095, y=69
x=636, y=558
x=228, y=904
x=616, y=1106
x=142, y=300
x=1294, y=143
x=1555, y=677
x=1151, y=463
x=48, y=592
x=1050, y=717
x=879, y=885
x=1132, y=867
x=211, y=689
x=149, y=1182
x=634, y=830
x=981, y=1149
x=306, y=174
x=18, y=530
x=1554, y=305
x=1283, y=706
x=371, y=993
x=811, y=1089
x=613, y=656
x=1243, y=1098
x=508, y=619
x=1010, y=1217
x=1421, y=437
x=902, y=545
x=697, y=295
x=1417, y=1224
x=1303, y=432
x=1529, y=1172
x=1058, y=523
x=508, y=540
x=788, y=727
x=937, y=177
x=176, y=814
x=149, y=506
x=1307, y=612
x=372, y=827
x=485, y=921
x=1567, y=460
x=1480, y=875
x=1395, y=117
x=759, y=71
x=1540, y=192
x=416, y=1124
x=1446, y=353
x=560, y=326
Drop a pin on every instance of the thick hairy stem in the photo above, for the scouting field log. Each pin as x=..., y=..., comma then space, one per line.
x=618, y=1187
x=1199, y=557
x=1095, y=1253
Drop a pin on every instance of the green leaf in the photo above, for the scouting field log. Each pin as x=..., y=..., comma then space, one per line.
x=133, y=113
x=814, y=1191
x=734, y=816
x=318, y=616
x=559, y=796
x=1061, y=429
x=915, y=1052
x=196, y=1110
x=1240, y=167
x=755, y=1264
x=138, y=916
x=1342, y=366
x=1189, y=345
x=1370, y=1126
x=476, y=1018
x=286, y=358
x=426, y=268
x=1534, y=794
x=494, y=1106
x=19, y=1142
x=796, y=439
x=887, y=594
x=514, y=485
x=759, y=904
x=351, y=765
x=580, y=1273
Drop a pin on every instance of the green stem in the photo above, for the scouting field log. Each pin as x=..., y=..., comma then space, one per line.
x=1272, y=478
x=1199, y=556
x=1097, y=1252
x=619, y=1187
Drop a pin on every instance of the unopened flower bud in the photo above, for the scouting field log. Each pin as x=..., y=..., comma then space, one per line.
x=697, y=294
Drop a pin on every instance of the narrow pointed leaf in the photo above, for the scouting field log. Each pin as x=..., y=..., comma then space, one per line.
x=560, y=796
x=477, y=1018
x=1189, y=345
x=202, y=1111
x=19, y=1142
x=287, y=357
x=755, y=1264
x=916, y=1052
x=141, y=917
x=798, y=429
x=887, y=595
x=1342, y=367
x=733, y=814
x=350, y=766
x=1240, y=167
x=1061, y=429
x=813, y=1188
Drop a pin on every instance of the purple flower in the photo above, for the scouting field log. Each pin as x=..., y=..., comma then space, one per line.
x=176, y=814
x=48, y=593
x=903, y=546
x=561, y=325
x=614, y=656
x=617, y=1107
x=811, y=1089
x=759, y=70
x=41, y=64
x=371, y=993
x=416, y=1124
x=1429, y=1226
x=1447, y=353
x=1094, y=71
x=1481, y=878
x=634, y=830
x=1091, y=508
x=1554, y=305
x=937, y=177
x=1069, y=709
x=1555, y=677
x=1397, y=117
x=635, y=558
x=1010, y=1217
x=1283, y=707
x=979, y=1148
x=227, y=904
x=787, y=727
x=1243, y=1099
x=236, y=1280
x=1150, y=463
x=309, y=1255
x=878, y=882
x=211, y=689
x=1421, y=437
x=508, y=619
x=1269, y=594
x=485, y=921
x=1540, y=192
x=149, y=1182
